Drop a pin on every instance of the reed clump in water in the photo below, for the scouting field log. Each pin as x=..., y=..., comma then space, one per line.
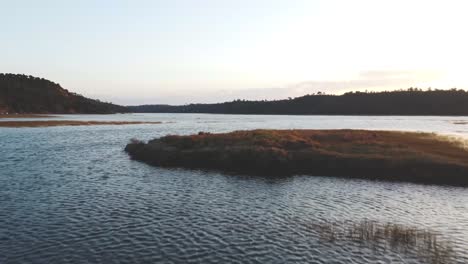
x=384, y=155
x=423, y=243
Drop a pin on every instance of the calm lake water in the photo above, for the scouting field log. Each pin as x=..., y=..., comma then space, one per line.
x=72, y=195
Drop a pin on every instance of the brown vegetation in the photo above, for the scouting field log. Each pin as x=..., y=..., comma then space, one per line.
x=25, y=116
x=68, y=123
x=404, y=156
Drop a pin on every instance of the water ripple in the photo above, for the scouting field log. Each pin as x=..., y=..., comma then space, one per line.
x=71, y=195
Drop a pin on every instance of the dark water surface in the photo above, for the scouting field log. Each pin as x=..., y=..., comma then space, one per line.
x=71, y=195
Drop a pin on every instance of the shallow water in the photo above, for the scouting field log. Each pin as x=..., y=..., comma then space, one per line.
x=71, y=195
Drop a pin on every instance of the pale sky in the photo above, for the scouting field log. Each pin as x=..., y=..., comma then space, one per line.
x=186, y=51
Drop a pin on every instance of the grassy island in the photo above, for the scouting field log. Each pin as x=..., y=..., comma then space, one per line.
x=401, y=156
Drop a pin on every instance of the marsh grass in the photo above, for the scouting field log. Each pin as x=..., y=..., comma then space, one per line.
x=424, y=244
x=378, y=155
x=454, y=140
x=136, y=141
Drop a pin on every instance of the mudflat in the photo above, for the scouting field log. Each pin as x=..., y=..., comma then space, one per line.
x=26, y=116
x=48, y=123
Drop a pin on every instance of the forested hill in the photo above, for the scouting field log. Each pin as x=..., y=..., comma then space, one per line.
x=27, y=94
x=401, y=102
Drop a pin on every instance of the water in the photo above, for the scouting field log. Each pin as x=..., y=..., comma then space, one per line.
x=71, y=195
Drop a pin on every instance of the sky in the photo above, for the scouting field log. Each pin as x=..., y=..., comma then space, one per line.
x=188, y=51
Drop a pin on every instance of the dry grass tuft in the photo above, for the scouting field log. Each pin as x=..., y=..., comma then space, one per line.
x=425, y=244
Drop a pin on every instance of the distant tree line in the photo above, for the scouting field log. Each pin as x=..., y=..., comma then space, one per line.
x=412, y=101
x=21, y=93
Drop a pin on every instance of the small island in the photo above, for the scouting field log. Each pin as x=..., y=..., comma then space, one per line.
x=380, y=155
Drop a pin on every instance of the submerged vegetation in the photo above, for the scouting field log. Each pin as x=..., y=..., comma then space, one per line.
x=421, y=243
x=385, y=155
x=412, y=101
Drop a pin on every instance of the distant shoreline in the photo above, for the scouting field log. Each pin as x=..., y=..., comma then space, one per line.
x=411, y=102
x=263, y=114
x=26, y=116
x=49, y=123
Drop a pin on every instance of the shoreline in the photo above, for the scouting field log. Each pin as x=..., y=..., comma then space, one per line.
x=26, y=116
x=50, y=123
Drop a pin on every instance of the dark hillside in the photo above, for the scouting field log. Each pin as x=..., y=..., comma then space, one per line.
x=402, y=102
x=27, y=94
